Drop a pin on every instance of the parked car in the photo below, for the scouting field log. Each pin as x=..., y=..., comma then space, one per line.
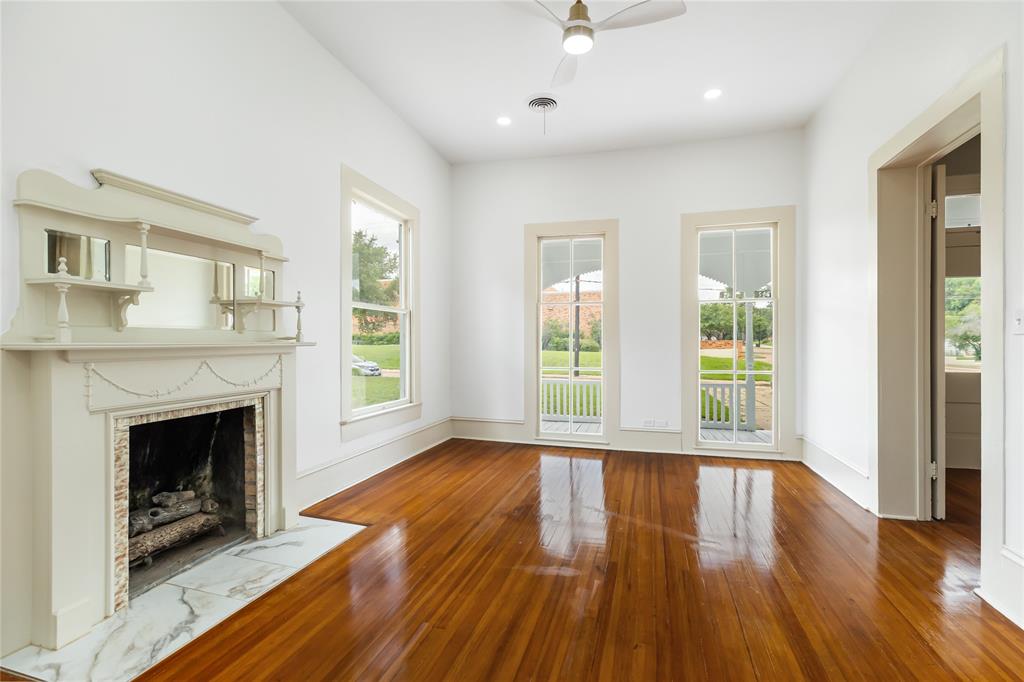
x=364, y=368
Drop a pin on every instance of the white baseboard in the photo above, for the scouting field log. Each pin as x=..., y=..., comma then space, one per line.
x=1015, y=616
x=321, y=482
x=631, y=439
x=849, y=480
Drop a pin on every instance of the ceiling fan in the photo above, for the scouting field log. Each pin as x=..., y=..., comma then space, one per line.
x=578, y=30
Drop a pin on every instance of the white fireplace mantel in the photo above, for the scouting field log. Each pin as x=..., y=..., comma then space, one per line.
x=67, y=396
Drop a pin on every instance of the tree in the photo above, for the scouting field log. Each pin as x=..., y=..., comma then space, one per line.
x=963, y=329
x=595, y=332
x=554, y=335
x=762, y=325
x=374, y=280
x=963, y=314
x=716, y=321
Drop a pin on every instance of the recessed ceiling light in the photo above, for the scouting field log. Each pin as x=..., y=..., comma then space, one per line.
x=713, y=93
x=504, y=121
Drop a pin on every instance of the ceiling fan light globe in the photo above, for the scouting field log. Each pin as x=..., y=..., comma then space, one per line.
x=578, y=40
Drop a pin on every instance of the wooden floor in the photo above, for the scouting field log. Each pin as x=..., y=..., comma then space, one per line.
x=490, y=561
x=963, y=504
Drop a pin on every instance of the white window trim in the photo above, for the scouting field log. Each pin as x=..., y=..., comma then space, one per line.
x=609, y=230
x=783, y=220
x=357, y=423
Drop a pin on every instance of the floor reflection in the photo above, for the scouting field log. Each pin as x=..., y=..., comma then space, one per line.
x=380, y=569
x=735, y=515
x=572, y=511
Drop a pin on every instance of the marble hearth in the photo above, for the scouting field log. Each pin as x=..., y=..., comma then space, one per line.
x=169, y=616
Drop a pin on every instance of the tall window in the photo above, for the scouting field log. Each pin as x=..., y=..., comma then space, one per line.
x=571, y=325
x=737, y=329
x=380, y=359
x=963, y=283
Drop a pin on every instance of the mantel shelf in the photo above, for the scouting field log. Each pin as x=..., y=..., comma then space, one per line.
x=110, y=287
x=86, y=345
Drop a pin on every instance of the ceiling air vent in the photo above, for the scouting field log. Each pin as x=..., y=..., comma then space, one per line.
x=544, y=104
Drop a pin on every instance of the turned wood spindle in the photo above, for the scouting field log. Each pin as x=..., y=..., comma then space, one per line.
x=144, y=255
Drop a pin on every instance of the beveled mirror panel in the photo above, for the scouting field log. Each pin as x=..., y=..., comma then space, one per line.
x=187, y=291
x=252, y=282
x=86, y=257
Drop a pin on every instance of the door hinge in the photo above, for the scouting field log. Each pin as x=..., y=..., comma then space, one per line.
x=933, y=209
x=934, y=469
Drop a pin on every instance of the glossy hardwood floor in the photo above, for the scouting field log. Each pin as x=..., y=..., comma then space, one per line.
x=488, y=561
x=963, y=503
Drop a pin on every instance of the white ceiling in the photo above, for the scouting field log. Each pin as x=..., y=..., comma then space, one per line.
x=451, y=68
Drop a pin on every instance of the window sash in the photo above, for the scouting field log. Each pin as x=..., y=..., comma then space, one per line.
x=736, y=302
x=404, y=310
x=572, y=374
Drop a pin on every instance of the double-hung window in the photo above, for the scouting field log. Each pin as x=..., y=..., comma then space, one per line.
x=378, y=346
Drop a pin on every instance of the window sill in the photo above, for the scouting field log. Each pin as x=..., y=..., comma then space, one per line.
x=365, y=424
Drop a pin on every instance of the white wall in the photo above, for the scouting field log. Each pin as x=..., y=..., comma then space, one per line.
x=906, y=68
x=647, y=190
x=236, y=104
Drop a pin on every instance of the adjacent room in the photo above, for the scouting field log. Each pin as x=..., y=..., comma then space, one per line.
x=512, y=339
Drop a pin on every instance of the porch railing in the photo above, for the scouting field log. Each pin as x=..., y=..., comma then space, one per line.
x=721, y=403
x=584, y=403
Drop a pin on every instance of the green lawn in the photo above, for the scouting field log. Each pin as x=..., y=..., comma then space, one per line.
x=374, y=390
x=554, y=360
x=385, y=356
x=710, y=362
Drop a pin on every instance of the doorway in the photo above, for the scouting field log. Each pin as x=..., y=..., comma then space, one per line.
x=903, y=471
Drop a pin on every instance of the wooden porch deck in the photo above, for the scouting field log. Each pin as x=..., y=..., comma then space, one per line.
x=759, y=437
x=558, y=426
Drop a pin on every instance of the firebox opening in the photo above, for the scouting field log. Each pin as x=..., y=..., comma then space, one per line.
x=186, y=492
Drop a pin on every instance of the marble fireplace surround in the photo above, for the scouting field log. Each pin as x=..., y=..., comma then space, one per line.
x=253, y=436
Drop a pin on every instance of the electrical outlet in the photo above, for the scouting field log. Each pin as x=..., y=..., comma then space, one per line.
x=1017, y=321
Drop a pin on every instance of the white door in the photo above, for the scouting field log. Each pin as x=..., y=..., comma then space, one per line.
x=936, y=208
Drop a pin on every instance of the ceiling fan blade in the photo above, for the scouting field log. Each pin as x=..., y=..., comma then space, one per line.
x=644, y=12
x=537, y=9
x=566, y=71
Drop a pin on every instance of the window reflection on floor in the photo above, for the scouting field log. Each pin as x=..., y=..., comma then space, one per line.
x=381, y=570
x=736, y=515
x=572, y=504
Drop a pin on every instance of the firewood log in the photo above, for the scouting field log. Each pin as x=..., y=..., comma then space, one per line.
x=144, y=520
x=172, y=534
x=169, y=499
x=139, y=522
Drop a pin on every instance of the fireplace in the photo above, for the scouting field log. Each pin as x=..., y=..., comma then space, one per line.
x=188, y=482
